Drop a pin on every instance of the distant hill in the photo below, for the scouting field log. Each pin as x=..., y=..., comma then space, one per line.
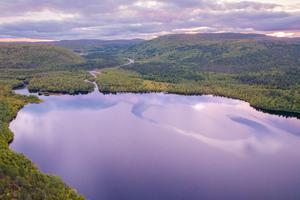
x=36, y=56
x=95, y=42
x=85, y=45
x=220, y=52
x=209, y=52
x=99, y=53
x=79, y=53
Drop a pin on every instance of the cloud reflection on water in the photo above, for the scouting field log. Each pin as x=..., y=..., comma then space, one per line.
x=161, y=145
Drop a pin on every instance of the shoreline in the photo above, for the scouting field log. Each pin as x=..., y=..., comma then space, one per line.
x=272, y=112
x=282, y=113
x=60, y=185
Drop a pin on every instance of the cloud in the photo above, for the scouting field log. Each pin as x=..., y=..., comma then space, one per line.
x=281, y=34
x=106, y=19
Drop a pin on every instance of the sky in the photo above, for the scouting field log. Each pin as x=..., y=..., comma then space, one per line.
x=36, y=20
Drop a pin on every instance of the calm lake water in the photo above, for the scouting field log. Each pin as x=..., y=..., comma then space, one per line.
x=161, y=147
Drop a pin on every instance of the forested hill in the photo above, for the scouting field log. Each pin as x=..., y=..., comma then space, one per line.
x=263, y=70
x=99, y=53
x=27, y=56
x=220, y=52
x=90, y=43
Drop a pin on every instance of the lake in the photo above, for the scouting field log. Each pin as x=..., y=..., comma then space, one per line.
x=161, y=147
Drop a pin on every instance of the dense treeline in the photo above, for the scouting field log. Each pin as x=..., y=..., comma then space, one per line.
x=164, y=72
x=118, y=80
x=62, y=83
x=102, y=60
x=288, y=100
x=49, y=81
x=284, y=79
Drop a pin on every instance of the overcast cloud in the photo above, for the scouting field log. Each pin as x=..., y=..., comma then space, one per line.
x=122, y=19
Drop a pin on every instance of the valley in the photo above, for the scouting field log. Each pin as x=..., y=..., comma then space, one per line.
x=261, y=70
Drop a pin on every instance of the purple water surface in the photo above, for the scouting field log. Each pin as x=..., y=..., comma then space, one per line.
x=161, y=147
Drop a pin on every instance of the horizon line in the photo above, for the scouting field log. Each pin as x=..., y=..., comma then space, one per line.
x=37, y=40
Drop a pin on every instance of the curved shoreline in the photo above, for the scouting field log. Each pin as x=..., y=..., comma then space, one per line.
x=281, y=113
x=50, y=185
x=217, y=100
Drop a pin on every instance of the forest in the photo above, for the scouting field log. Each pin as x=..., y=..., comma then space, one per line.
x=74, y=82
x=261, y=70
x=259, y=96
x=25, y=56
